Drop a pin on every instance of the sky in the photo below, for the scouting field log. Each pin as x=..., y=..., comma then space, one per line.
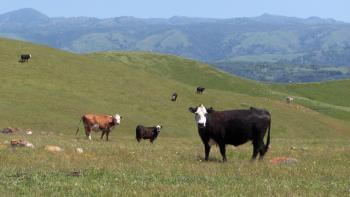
x=336, y=9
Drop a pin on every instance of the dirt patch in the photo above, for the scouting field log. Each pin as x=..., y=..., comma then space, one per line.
x=53, y=148
x=283, y=160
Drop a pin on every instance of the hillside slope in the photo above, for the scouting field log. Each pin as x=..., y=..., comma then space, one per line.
x=330, y=97
x=51, y=92
x=55, y=88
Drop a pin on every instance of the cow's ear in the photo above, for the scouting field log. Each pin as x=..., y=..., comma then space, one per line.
x=192, y=109
x=210, y=109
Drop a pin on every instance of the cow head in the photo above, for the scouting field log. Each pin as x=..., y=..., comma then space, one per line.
x=117, y=119
x=158, y=127
x=200, y=114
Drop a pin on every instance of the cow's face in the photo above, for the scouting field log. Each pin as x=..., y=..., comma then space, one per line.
x=200, y=115
x=158, y=127
x=117, y=119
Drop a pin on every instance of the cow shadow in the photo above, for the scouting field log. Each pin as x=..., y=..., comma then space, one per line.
x=211, y=159
x=97, y=140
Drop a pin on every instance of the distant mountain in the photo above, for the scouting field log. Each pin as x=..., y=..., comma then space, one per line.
x=267, y=39
x=274, y=19
x=24, y=16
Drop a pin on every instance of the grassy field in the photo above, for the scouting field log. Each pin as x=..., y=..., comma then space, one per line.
x=51, y=92
x=173, y=167
x=330, y=97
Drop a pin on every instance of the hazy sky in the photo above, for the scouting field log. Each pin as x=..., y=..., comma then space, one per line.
x=337, y=9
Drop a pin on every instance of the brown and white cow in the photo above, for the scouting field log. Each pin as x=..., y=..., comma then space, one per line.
x=289, y=99
x=99, y=122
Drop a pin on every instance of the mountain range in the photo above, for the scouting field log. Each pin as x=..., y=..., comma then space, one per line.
x=233, y=44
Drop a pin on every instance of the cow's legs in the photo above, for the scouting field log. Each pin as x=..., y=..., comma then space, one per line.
x=207, y=150
x=88, y=132
x=262, y=150
x=103, y=133
x=223, y=152
x=262, y=153
x=255, y=149
x=107, y=134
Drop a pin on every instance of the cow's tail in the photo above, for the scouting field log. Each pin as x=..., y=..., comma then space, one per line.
x=78, y=126
x=268, y=137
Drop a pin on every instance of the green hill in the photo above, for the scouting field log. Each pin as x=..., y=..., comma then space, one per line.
x=51, y=92
x=329, y=97
x=55, y=88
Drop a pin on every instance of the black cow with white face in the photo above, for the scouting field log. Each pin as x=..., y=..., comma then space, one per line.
x=25, y=57
x=233, y=127
x=200, y=90
x=150, y=133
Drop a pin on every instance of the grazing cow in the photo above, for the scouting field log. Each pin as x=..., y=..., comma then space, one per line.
x=233, y=127
x=25, y=57
x=174, y=97
x=200, y=90
x=99, y=122
x=150, y=133
x=289, y=99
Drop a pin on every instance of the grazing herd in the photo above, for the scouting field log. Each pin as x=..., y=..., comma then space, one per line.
x=230, y=127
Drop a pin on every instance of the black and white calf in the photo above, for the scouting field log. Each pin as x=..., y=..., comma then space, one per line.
x=233, y=127
x=25, y=57
x=200, y=90
x=150, y=133
x=174, y=97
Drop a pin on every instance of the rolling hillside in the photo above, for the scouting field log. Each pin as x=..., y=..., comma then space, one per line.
x=55, y=88
x=51, y=92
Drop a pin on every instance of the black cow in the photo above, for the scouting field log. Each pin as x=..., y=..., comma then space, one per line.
x=200, y=90
x=233, y=127
x=150, y=133
x=174, y=97
x=25, y=57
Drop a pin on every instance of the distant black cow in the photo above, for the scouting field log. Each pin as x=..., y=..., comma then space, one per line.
x=150, y=133
x=174, y=97
x=25, y=57
x=233, y=127
x=200, y=90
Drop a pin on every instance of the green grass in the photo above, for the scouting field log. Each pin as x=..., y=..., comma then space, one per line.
x=332, y=92
x=51, y=92
x=330, y=97
x=173, y=167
